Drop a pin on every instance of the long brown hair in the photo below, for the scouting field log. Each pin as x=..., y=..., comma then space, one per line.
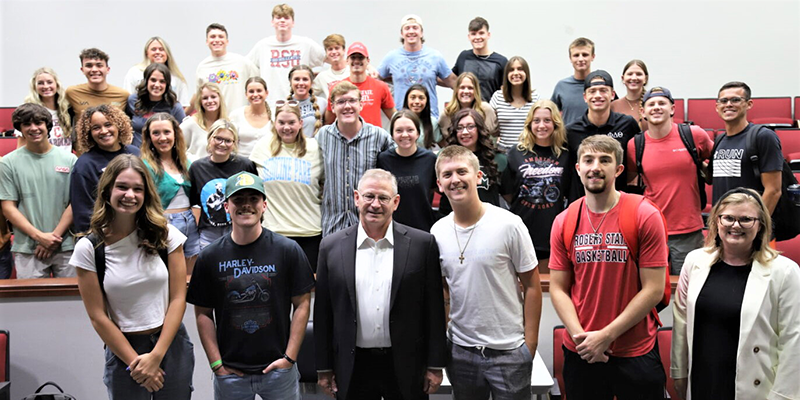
x=455, y=105
x=484, y=149
x=151, y=226
x=151, y=155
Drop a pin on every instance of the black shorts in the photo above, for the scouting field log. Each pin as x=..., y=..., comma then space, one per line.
x=627, y=378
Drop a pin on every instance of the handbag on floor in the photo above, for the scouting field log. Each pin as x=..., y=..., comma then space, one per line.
x=49, y=394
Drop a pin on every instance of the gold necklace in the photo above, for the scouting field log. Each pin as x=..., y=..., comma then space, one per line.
x=461, y=256
x=629, y=104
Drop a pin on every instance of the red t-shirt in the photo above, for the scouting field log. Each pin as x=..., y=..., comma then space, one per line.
x=375, y=96
x=669, y=176
x=605, y=278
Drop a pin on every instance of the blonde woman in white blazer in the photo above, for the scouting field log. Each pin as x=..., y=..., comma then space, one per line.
x=766, y=358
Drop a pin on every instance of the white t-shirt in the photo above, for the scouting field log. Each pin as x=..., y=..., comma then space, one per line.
x=485, y=300
x=136, y=283
x=230, y=72
x=135, y=75
x=275, y=59
x=196, y=139
x=248, y=134
x=328, y=78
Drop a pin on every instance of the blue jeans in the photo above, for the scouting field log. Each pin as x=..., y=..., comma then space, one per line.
x=178, y=366
x=185, y=223
x=278, y=384
x=476, y=372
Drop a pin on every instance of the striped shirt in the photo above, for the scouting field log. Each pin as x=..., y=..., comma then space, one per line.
x=510, y=119
x=345, y=161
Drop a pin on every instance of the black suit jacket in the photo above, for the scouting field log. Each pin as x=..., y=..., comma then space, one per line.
x=416, y=314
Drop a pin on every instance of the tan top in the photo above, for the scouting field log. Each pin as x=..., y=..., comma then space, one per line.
x=490, y=120
x=81, y=97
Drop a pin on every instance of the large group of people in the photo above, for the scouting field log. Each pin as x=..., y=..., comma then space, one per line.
x=266, y=170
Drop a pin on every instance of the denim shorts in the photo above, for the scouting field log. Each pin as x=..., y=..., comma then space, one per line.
x=178, y=366
x=278, y=384
x=185, y=223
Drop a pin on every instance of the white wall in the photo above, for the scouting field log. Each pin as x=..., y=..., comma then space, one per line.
x=691, y=47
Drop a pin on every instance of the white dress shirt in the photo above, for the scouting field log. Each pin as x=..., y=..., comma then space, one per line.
x=374, y=268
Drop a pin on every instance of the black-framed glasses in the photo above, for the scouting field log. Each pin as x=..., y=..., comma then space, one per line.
x=370, y=197
x=733, y=100
x=220, y=140
x=744, y=221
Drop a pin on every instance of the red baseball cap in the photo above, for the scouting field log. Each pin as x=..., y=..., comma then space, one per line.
x=359, y=48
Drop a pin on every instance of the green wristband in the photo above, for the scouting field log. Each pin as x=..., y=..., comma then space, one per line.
x=216, y=363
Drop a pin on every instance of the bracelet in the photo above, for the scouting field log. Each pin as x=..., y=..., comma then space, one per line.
x=289, y=359
x=216, y=365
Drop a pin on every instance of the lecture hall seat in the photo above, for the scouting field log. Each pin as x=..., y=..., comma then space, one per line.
x=5, y=118
x=7, y=145
x=703, y=112
x=664, y=345
x=680, y=111
x=790, y=143
x=4, y=356
x=772, y=111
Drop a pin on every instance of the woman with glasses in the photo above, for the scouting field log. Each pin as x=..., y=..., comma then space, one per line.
x=469, y=130
x=736, y=315
x=207, y=177
x=414, y=169
x=290, y=164
x=254, y=120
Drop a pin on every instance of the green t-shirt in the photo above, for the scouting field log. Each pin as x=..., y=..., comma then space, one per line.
x=39, y=183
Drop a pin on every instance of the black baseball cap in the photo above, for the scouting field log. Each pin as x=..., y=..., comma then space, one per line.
x=656, y=92
x=594, y=75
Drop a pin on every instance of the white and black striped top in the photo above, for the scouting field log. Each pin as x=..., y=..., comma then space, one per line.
x=345, y=161
x=510, y=120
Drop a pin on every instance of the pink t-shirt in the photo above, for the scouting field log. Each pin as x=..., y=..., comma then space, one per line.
x=669, y=177
x=375, y=96
x=605, y=278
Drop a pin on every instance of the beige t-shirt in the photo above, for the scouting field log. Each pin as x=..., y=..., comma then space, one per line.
x=81, y=97
x=490, y=120
x=293, y=186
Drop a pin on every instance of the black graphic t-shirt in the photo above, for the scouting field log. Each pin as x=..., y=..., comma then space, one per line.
x=250, y=288
x=208, y=187
x=538, y=182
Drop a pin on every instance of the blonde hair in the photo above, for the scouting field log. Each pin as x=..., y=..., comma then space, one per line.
x=62, y=105
x=198, y=104
x=312, y=98
x=171, y=63
x=151, y=226
x=276, y=143
x=455, y=105
x=527, y=139
x=761, y=250
x=219, y=125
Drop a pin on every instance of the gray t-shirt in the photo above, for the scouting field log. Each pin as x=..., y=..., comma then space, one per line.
x=39, y=183
x=568, y=96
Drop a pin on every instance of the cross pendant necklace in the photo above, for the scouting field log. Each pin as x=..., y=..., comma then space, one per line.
x=460, y=250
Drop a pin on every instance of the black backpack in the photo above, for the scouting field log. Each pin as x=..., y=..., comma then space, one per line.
x=786, y=217
x=685, y=132
x=100, y=258
x=50, y=394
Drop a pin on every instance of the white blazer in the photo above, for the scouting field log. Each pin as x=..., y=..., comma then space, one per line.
x=768, y=357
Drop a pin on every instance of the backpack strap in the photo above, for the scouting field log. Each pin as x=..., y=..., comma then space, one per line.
x=571, y=225
x=752, y=149
x=99, y=259
x=639, y=141
x=628, y=213
x=685, y=132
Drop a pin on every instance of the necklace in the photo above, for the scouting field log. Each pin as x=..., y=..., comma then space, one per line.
x=590, y=220
x=629, y=104
x=461, y=256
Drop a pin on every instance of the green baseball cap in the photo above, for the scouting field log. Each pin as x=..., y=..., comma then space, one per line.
x=243, y=180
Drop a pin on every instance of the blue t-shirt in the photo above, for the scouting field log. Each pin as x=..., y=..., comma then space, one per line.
x=409, y=68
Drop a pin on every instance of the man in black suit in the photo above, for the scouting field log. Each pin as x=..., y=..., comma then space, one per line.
x=379, y=325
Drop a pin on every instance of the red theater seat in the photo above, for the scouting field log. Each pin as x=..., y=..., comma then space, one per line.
x=664, y=345
x=7, y=145
x=790, y=143
x=703, y=112
x=680, y=111
x=4, y=357
x=5, y=118
x=774, y=111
